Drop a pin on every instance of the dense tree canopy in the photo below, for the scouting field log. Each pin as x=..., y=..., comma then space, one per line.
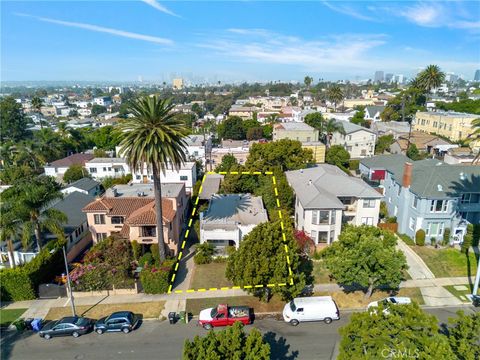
x=315, y=120
x=383, y=143
x=338, y=156
x=232, y=128
x=365, y=256
x=406, y=330
x=13, y=123
x=231, y=343
x=74, y=173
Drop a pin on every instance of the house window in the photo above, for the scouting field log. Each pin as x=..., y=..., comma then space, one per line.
x=349, y=148
x=324, y=217
x=99, y=219
x=149, y=231
x=367, y=220
x=466, y=198
x=314, y=236
x=117, y=219
x=368, y=203
x=138, y=177
x=101, y=236
x=104, y=169
x=322, y=237
x=414, y=202
x=92, y=170
x=435, y=229
x=333, y=217
x=412, y=223
x=437, y=206
x=183, y=178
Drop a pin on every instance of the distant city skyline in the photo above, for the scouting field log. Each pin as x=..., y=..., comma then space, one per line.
x=235, y=41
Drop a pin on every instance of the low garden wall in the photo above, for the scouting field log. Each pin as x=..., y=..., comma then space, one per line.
x=133, y=291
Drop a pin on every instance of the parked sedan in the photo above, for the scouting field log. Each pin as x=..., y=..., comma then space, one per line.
x=67, y=326
x=392, y=300
x=124, y=321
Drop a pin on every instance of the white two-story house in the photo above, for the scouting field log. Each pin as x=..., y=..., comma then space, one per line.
x=326, y=198
x=358, y=141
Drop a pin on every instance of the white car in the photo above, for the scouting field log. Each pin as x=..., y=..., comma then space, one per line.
x=393, y=300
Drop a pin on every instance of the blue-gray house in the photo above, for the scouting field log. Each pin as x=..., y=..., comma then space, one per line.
x=427, y=194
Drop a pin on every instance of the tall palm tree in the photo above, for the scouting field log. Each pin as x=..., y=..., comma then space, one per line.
x=50, y=144
x=30, y=200
x=475, y=136
x=332, y=126
x=153, y=137
x=335, y=95
x=37, y=104
x=430, y=78
x=9, y=229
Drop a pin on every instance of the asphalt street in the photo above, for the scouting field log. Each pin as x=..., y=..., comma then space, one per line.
x=160, y=340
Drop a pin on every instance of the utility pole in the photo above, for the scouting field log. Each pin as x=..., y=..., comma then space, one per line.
x=68, y=281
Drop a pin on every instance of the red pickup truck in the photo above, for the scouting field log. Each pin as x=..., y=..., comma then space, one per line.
x=224, y=315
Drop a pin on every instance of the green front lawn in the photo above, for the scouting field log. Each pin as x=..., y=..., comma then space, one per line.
x=210, y=276
x=275, y=305
x=447, y=262
x=460, y=294
x=7, y=316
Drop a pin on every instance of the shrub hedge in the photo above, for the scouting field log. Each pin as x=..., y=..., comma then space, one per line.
x=22, y=282
x=155, y=280
x=420, y=237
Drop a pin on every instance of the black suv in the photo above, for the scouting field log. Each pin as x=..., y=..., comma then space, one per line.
x=124, y=321
x=70, y=325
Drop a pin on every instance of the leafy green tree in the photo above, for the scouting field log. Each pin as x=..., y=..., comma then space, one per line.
x=406, y=330
x=464, y=335
x=413, y=153
x=359, y=117
x=261, y=260
x=228, y=162
x=188, y=119
x=98, y=109
x=153, y=136
x=316, y=121
x=13, y=124
x=254, y=133
x=29, y=200
x=467, y=239
x=198, y=110
x=74, y=173
x=37, y=104
x=365, y=255
x=231, y=343
x=286, y=154
x=50, y=144
x=105, y=138
x=383, y=144
x=308, y=80
x=204, y=253
x=338, y=156
x=467, y=106
x=232, y=128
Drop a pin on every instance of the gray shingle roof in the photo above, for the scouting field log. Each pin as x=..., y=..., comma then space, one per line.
x=351, y=127
x=383, y=161
x=372, y=110
x=211, y=185
x=71, y=205
x=431, y=178
x=86, y=184
x=320, y=187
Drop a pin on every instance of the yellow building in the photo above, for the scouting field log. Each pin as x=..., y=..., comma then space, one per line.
x=351, y=103
x=178, y=84
x=453, y=125
x=318, y=149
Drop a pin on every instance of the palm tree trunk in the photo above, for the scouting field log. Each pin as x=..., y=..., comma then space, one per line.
x=157, y=187
x=10, y=250
x=38, y=236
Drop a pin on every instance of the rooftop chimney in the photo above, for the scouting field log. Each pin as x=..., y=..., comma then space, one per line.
x=407, y=175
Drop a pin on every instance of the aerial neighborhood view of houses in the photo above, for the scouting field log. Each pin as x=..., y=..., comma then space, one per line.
x=314, y=218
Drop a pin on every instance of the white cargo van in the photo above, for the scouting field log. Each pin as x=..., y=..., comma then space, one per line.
x=315, y=308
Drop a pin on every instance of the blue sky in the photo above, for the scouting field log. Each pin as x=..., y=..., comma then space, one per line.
x=231, y=41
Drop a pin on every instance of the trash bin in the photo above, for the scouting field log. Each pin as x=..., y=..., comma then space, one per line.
x=37, y=325
x=182, y=316
x=172, y=317
x=28, y=323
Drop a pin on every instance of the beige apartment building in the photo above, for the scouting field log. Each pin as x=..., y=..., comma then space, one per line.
x=453, y=125
x=295, y=131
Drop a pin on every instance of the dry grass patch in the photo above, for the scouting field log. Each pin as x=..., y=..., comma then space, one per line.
x=275, y=305
x=149, y=310
x=357, y=299
x=209, y=275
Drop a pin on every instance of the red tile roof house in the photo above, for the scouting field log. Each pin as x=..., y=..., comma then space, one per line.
x=58, y=167
x=134, y=218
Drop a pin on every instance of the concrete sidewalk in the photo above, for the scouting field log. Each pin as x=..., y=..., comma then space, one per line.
x=417, y=268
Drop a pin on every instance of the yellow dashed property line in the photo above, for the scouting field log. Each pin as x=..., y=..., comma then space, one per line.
x=211, y=172
x=190, y=222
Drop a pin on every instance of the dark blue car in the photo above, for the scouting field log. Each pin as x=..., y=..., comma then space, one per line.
x=124, y=321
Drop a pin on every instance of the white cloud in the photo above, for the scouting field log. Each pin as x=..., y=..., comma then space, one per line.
x=348, y=10
x=155, y=4
x=101, y=29
x=431, y=14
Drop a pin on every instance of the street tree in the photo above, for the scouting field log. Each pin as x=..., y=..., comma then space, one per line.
x=153, y=137
x=366, y=256
x=232, y=128
x=262, y=259
x=231, y=343
x=405, y=332
x=464, y=335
